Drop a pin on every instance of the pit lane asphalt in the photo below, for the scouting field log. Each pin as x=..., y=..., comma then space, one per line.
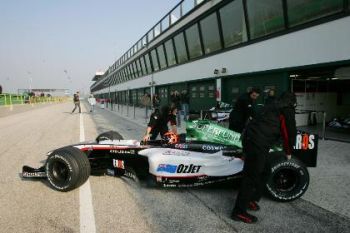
x=121, y=205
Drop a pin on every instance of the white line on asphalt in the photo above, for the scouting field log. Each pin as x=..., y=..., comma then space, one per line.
x=87, y=218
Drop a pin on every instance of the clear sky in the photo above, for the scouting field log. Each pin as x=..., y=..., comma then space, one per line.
x=62, y=43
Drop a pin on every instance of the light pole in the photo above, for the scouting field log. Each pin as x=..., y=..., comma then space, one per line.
x=152, y=89
x=30, y=79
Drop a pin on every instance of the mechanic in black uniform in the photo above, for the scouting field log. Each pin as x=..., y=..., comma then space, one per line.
x=276, y=120
x=158, y=123
x=244, y=109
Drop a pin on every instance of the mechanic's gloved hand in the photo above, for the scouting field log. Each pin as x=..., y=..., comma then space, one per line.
x=288, y=157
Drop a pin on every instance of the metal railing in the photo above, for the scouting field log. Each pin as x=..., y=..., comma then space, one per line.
x=129, y=110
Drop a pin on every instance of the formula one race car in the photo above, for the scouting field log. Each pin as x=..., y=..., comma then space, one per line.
x=206, y=154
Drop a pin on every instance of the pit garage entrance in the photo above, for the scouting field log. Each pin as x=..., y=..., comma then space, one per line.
x=323, y=96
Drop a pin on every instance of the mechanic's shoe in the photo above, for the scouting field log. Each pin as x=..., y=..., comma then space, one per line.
x=253, y=206
x=244, y=217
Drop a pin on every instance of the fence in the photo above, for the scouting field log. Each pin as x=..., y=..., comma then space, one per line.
x=10, y=99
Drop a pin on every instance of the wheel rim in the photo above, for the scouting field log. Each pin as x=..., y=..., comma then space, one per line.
x=60, y=172
x=285, y=180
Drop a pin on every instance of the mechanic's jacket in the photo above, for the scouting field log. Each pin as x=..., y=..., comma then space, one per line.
x=243, y=109
x=160, y=123
x=270, y=126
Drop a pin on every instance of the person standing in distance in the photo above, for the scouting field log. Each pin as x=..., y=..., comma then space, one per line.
x=76, y=100
x=276, y=120
x=243, y=110
x=92, y=102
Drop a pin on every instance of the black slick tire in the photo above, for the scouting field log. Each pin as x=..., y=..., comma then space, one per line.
x=67, y=168
x=288, y=180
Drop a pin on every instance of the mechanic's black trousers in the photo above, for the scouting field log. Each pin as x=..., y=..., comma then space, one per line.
x=155, y=131
x=255, y=173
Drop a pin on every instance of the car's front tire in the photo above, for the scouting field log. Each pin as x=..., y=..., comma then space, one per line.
x=109, y=135
x=67, y=168
x=288, y=180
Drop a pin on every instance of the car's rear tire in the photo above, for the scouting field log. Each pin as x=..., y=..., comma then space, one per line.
x=288, y=180
x=67, y=168
x=109, y=135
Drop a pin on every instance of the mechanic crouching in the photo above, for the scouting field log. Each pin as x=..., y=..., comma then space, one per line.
x=158, y=123
x=276, y=120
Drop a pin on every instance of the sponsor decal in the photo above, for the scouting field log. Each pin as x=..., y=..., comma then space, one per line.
x=34, y=174
x=218, y=132
x=169, y=168
x=122, y=151
x=182, y=168
x=212, y=147
x=176, y=152
x=188, y=168
x=118, y=163
x=130, y=174
x=181, y=146
x=285, y=164
x=305, y=142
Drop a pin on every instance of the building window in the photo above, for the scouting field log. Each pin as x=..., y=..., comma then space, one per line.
x=180, y=48
x=127, y=73
x=139, y=67
x=148, y=63
x=144, y=41
x=122, y=75
x=131, y=72
x=170, y=54
x=165, y=23
x=161, y=55
x=157, y=30
x=210, y=33
x=175, y=15
x=265, y=17
x=136, y=73
x=154, y=60
x=302, y=11
x=233, y=23
x=187, y=5
x=199, y=2
x=139, y=44
x=143, y=66
x=193, y=41
x=150, y=36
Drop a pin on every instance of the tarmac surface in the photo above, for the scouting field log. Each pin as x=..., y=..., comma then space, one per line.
x=122, y=205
